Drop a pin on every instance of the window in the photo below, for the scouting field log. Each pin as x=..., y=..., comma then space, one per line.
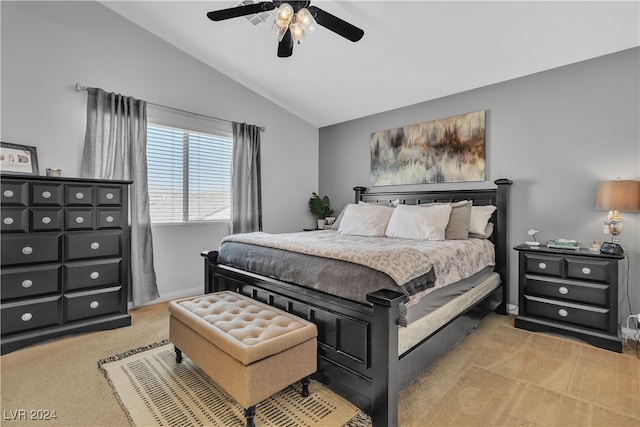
x=189, y=174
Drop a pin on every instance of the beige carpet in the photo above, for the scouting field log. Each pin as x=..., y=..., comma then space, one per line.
x=154, y=390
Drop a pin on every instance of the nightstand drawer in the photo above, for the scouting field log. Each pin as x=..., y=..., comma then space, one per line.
x=79, y=219
x=109, y=218
x=82, y=305
x=540, y=264
x=46, y=219
x=32, y=248
x=15, y=193
x=31, y=281
x=595, y=270
x=31, y=314
x=14, y=220
x=585, y=293
x=93, y=245
x=78, y=195
x=576, y=314
x=109, y=195
x=46, y=194
x=91, y=274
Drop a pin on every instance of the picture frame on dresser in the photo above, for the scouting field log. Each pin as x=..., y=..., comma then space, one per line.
x=18, y=159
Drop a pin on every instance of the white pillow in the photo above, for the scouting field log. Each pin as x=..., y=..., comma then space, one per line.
x=480, y=216
x=419, y=222
x=365, y=220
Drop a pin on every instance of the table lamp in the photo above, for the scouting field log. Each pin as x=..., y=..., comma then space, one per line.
x=616, y=196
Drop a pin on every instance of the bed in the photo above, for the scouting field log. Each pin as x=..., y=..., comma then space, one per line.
x=364, y=354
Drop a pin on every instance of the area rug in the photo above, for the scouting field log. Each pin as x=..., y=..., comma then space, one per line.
x=154, y=390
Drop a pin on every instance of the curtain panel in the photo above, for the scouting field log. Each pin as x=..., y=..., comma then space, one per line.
x=115, y=147
x=246, y=188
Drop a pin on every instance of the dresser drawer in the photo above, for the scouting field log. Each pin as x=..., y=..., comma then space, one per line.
x=540, y=264
x=46, y=194
x=24, y=282
x=31, y=314
x=576, y=314
x=91, y=274
x=32, y=248
x=44, y=219
x=79, y=219
x=110, y=218
x=78, y=195
x=586, y=293
x=593, y=270
x=15, y=220
x=93, y=245
x=110, y=195
x=82, y=305
x=15, y=193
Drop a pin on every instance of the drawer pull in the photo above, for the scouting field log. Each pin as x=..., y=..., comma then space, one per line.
x=586, y=270
x=94, y=275
x=95, y=245
x=542, y=266
x=94, y=304
x=109, y=196
x=8, y=220
x=26, y=317
x=27, y=283
x=8, y=193
x=27, y=250
x=79, y=220
x=46, y=194
x=79, y=195
x=46, y=220
x=562, y=312
x=109, y=218
x=563, y=290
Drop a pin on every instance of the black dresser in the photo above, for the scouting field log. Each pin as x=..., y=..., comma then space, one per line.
x=571, y=293
x=65, y=257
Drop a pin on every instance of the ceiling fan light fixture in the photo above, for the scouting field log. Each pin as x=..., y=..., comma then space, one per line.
x=305, y=18
x=297, y=32
x=284, y=15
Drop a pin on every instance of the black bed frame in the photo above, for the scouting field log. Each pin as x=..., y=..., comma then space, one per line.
x=357, y=343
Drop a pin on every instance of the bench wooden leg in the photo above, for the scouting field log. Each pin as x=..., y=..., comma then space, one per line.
x=178, y=354
x=305, y=386
x=249, y=414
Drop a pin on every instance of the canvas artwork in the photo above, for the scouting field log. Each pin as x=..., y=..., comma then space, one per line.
x=444, y=150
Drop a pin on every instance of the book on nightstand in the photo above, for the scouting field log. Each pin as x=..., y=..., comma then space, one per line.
x=563, y=244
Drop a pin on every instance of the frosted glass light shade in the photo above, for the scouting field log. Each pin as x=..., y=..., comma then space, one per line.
x=297, y=32
x=284, y=15
x=305, y=19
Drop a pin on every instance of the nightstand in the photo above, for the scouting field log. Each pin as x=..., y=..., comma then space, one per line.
x=570, y=292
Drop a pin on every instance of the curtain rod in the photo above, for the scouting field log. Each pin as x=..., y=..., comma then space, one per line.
x=80, y=88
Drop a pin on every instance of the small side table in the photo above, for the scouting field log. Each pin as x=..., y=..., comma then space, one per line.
x=570, y=292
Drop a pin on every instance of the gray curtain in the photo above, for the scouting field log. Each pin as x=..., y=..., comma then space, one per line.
x=115, y=147
x=246, y=191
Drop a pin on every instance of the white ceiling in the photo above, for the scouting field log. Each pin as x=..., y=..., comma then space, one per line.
x=412, y=51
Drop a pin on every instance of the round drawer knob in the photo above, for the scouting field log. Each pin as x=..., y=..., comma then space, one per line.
x=46, y=194
x=109, y=219
x=586, y=270
x=27, y=283
x=8, y=193
x=94, y=304
x=46, y=220
x=95, y=245
x=109, y=196
x=26, y=317
x=542, y=266
x=94, y=275
x=27, y=250
x=8, y=220
x=563, y=290
x=79, y=220
x=562, y=312
x=79, y=195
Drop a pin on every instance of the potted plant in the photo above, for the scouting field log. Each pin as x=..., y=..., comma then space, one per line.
x=321, y=208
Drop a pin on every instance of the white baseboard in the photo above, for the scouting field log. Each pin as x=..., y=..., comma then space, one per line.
x=512, y=309
x=175, y=295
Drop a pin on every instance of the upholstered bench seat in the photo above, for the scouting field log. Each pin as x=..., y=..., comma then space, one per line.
x=250, y=349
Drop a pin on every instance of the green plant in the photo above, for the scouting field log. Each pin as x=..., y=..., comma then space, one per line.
x=320, y=206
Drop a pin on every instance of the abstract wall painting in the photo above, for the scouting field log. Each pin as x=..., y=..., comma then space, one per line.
x=444, y=150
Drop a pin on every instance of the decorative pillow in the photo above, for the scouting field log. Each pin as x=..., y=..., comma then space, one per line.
x=458, y=226
x=480, y=216
x=365, y=220
x=419, y=222
x=336, y=223
x=488, y=231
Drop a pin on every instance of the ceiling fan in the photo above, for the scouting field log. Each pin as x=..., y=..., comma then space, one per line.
x=293, y=20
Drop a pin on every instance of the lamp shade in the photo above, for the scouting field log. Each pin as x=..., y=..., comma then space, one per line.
x=621, y=195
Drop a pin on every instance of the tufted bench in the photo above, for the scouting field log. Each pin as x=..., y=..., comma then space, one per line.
x=250, y=349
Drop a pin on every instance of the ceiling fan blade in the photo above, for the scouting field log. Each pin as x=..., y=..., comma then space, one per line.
x=234, y=12
x=285, y=47
x=336, y=24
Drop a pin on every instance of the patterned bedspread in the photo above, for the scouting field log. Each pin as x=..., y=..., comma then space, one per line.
x=401, y=259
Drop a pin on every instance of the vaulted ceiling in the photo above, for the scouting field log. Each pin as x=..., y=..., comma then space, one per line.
x=412, y=51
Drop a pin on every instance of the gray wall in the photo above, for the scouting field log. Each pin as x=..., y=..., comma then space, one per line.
x=555, y=134
x=49, y=46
